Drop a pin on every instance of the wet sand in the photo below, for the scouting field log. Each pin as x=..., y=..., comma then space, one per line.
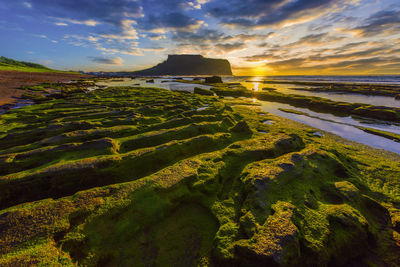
x=10, y=81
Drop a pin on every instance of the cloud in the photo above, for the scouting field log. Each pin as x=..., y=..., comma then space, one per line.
x=316, y=40
x=258, y=13
x=127, y=31
x=101, y=11
x=202, y=35
x=27, y=5
x=385, y=22
x=108, y=61
x=212, y=36
x=61, y=24
x=156, y=50
x=175, y=21
x=196, y=4
x=262, y=57
x=276, y=34
x=43, y=36
x=365, y=57
x=372, y=65
x=228, y=48
x=87, y=22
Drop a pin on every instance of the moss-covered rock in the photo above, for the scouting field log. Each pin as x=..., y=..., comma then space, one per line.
x=149, y=177
x=201, y=91
x=275, y=243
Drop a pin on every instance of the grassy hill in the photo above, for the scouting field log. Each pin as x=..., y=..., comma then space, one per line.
x=11, y=64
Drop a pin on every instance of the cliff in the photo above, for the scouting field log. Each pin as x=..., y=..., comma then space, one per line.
x=189, y=65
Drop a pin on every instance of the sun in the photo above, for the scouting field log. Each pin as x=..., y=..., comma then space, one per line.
x=255, y=71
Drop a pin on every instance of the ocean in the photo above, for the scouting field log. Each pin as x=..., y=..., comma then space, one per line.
x=376, y=79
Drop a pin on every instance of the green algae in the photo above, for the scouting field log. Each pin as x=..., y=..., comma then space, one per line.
x=313, y=103
x=358, y=88
x=388, y=135
x=141, y=176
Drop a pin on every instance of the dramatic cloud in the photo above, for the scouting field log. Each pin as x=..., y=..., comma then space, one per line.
x=227, y=48
x=171, y=21
x=381, y=23
x=277, y=35
x=316, y=40
x=202, y=35
x=274, y=12
x=362, y=57
x=104, y=11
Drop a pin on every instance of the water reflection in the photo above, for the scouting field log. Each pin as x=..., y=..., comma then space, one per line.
x=255, y=88
x=341, y=126
x=341, y=97
x=158, y=83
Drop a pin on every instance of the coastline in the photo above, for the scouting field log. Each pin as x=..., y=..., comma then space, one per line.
x=12, y=81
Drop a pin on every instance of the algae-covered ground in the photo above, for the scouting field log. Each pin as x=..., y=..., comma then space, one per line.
x=318, y=104
x=150, y=177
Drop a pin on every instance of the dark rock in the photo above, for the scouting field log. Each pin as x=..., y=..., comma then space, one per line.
x=189, y=65
x=397, y=97
x=213, y=79
x=150, y=81
x=375, y=210
x=201, y=91
x=269, y=89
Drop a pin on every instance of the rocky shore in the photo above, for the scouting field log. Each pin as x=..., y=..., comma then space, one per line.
x=145, y=176
x=12, y=81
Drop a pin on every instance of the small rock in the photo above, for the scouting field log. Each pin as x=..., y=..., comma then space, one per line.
x=213, y=79
x=318, y=134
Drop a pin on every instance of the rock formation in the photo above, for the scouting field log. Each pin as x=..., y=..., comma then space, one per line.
x=189, y=65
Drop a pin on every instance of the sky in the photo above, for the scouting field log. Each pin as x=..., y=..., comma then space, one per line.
x=258, y=37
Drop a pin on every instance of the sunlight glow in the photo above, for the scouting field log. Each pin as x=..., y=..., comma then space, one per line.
x=256, y=86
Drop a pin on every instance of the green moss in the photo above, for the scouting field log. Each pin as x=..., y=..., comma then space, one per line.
x=201, y=91
x=292, y=111
x=142, y=176
x=389, y=135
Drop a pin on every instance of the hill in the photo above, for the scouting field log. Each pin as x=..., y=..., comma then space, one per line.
x=189, y=65
x=8, y=64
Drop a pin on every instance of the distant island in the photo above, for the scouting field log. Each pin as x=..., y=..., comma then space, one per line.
x=189, y=65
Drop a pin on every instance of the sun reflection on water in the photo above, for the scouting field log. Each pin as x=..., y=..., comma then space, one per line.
x=256, y=86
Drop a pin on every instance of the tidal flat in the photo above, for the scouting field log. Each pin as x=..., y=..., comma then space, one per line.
x=140, y=176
